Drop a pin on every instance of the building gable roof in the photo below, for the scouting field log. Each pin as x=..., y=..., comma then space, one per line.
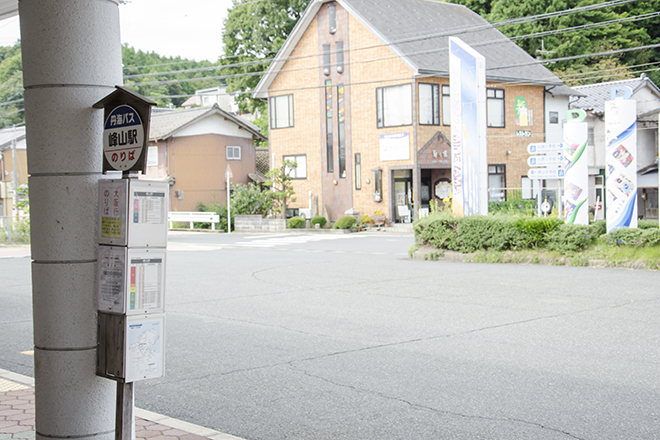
x=10, y=135
x=165, y=123
x=594, y=96
x=417, y=31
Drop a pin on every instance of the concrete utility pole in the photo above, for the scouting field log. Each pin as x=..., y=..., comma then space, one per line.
x=71, y=59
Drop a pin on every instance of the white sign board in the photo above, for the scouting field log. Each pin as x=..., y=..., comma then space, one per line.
x=123, y=137
x=133, y=212
x=545, y=148
x=395, y=146
x=555, y=160
x=546, y=173
x=144, y=347
x=131, y=281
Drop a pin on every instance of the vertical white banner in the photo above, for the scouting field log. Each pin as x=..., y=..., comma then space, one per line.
x=467, y=82
x=621, y=162
x=576, y=179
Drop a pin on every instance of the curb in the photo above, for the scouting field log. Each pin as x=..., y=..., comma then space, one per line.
x=150, y=416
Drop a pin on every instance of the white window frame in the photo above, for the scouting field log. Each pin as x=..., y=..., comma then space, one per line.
x=495, y=103
x=152, y=156
x=399, y=112
x=446, y=105
x=281, y=111
x=429, y=104
x=231, y=150
x=300, y=171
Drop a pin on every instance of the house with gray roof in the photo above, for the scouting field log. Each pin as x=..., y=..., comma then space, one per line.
x=359, y=98
x=647, y=96
x=13, y=167
x=192, y=148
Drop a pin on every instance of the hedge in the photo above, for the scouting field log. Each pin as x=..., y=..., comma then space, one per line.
x=506, y=232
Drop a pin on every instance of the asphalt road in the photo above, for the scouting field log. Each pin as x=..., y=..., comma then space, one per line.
x=343, y=337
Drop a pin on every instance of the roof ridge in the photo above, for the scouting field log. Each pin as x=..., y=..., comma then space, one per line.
x=609, y=82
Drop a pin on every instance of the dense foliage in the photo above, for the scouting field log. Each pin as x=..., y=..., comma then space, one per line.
x=630, y=25
x=345, y=222
x=502, y=232
x=250, y=199
x=295, y=223
x=167, y=80
x=319, y=220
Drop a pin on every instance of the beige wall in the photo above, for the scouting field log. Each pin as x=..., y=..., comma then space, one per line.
x=198, y=165
x=8, y=165
x=300, y=78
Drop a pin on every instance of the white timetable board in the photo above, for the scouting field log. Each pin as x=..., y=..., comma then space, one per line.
x=131, y=281
x=133, y=212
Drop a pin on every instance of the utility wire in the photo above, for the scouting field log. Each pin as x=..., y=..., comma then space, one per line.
x=453, y=32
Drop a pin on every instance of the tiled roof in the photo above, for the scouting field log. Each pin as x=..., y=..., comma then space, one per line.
x=165, y=122
x=595, y=95
x=419, y=30
x=11, y=133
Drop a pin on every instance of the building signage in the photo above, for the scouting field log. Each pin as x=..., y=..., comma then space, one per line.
x=395, y=146
x=523, y=133
x=621, y=161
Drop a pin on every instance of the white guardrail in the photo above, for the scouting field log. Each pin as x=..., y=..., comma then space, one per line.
x=193, y=217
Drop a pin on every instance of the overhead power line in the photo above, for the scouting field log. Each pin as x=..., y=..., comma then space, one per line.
x=452, y=32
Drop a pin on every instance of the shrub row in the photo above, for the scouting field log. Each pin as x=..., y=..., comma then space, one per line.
x=501, y=233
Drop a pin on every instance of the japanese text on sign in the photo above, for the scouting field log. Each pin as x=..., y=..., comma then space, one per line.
x=123, y=137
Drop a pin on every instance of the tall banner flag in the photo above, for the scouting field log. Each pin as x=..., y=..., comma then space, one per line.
x=467, y=87
x=576, y=178
x=621, y=160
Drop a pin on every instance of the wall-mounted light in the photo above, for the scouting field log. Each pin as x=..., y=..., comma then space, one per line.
x=508, y=152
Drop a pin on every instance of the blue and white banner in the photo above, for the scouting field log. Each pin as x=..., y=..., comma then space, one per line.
x=576, y=179
x=621, y=163
x=467, y=82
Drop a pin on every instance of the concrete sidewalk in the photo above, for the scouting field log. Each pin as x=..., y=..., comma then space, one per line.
x=17, y=415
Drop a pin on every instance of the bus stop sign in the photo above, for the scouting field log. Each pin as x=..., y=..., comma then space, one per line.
x=126, y=117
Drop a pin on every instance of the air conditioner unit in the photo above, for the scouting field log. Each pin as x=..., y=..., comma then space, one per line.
x=305, y=213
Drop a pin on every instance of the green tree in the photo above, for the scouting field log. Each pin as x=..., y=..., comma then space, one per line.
x=253, y=34
x=167, y=80
x=614, y=36
x=11, y=86
x=280, y=186
x=250, y=199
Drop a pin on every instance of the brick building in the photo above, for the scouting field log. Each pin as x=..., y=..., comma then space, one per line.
x=359, y=98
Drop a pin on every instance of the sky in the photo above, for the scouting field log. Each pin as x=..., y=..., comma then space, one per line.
x=190, y=28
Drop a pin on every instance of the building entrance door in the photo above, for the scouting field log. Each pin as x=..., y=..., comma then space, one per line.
x=403, y=196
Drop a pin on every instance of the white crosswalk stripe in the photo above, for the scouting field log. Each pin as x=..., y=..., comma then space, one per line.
x=288, y=239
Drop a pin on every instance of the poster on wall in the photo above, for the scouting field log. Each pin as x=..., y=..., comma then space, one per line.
x=621, y=160
x=467, y=80
x=394, y=146
x=576, y=177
